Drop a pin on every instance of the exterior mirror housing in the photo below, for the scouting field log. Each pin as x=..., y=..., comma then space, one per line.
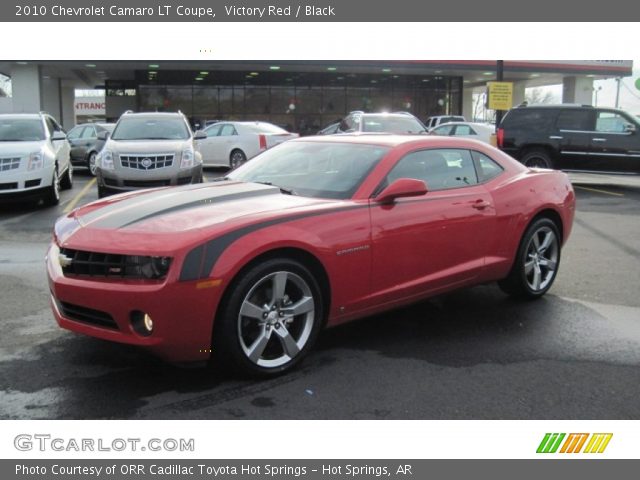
x=402, y=187
x=200, y=135
x=629, y=128
x=58, y=135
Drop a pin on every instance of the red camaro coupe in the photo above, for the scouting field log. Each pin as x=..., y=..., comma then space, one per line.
x=317, y=231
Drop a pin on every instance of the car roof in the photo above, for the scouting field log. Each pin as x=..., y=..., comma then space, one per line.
x=383, y=139
x=21, y=115
x=473, y=124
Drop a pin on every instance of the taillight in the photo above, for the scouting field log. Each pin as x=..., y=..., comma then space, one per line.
x=500, y=137
x=263, y=141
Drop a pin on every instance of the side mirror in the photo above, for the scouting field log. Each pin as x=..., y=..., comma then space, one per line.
x=103, y=135
x=629, y=128
x=200, y=135
x=402, y=187
x=58, y=135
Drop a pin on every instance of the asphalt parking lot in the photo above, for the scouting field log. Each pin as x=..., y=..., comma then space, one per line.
x=473, y=354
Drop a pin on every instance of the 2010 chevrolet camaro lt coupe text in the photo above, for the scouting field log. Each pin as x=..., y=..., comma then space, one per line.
x=315, y=231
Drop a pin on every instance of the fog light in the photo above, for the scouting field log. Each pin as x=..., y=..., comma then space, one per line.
x=142, y=323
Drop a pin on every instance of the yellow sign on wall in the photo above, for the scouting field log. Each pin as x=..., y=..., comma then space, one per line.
x=500, y=95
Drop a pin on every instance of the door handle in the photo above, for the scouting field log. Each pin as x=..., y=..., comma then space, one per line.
x=480, y=204
x=555, y=137
x=599, y=139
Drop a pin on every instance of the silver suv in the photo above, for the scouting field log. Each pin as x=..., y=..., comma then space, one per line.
x=397, y=123
x=148, y=150
x=34, y=158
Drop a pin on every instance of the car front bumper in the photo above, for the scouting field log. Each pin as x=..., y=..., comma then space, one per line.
x=20, y=185
x=126, y=181
x=182, y=312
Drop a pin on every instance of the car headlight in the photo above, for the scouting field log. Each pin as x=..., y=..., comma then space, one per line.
x=36, y=161
x=106, y=160
x=188, y=158
x=147, y=267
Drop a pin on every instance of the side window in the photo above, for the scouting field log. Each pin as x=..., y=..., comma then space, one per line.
x=227, y=130
x=444, y=130
x=530, y=119
x=76, y=133
x=50, y=126
x=213, y=131
x=575, y=120
x=610, y=122
x=486, y=167
x=465, y=130
x=439, y=169
x=89, y=132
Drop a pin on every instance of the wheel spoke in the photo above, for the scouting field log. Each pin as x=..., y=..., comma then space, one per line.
x=256, y=349
x=546, y=242
x=250, y=310
x=279, y=286
x=305, y=305
x=528, y=266
x=536, y=241
x=289, y=345
x=550, y=265
x=537, y=277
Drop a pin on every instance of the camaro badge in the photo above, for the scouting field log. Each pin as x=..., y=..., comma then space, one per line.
x=64, y=260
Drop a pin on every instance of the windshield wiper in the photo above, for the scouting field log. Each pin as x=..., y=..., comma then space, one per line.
x=219, y=179
x=286, y=191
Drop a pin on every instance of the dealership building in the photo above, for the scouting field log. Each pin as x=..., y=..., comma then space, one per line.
x=302, y=96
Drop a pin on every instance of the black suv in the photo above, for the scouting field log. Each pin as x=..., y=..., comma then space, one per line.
x=572, y=137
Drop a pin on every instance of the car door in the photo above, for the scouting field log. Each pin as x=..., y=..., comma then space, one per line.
x=615, y=143
x=208, y=146
x=75, y=139
x=426, y=244
x=60, y=147
x=571, y=136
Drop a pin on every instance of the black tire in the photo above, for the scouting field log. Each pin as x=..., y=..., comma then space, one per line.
x=270, y=325
x=537, y=158
x=91, y=163
x=237, y=158
x=52, y=195
x=521, y=282
x=102, y=192
x=66, y=183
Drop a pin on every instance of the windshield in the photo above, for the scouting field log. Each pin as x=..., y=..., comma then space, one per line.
x=389, y=124
x=313, y=169
x=141, y=128
x=21, y=130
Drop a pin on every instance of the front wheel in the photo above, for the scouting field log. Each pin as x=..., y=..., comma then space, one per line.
x=271, y=318
x=537, y=261
x=91, y=163
x=66, y=183
x=52, y=195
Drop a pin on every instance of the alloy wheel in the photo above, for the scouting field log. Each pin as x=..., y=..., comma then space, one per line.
x=541, y=259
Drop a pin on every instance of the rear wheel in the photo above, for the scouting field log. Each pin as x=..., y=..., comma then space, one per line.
x=536, y=263
x=271, y=318
x=237, y=158
x=52, y=195
x=537, y=159
x=102, y=192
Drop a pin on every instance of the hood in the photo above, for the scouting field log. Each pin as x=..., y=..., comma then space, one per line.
x=20, y=148
x=147, y=146
x=155, y=219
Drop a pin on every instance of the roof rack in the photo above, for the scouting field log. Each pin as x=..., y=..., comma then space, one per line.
x=128, y=112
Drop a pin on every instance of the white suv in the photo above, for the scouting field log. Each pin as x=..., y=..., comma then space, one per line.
x=34, y=158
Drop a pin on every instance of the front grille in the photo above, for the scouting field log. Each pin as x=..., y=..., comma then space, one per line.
x=110, y=265
x=8, y=186
x=146, y=183
x=146, y=162
x=31, y=183
x=86, y=315
x=12, y=163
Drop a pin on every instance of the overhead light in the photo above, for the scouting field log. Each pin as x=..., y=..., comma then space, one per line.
x=331, y=69
x=374, y=81
x=152, y=72
x=339, y=78
x=90, y=65
x=396, y=76
x=487, y=73
x=248, y=76
x=534, y=75
x=466, y=81
x=425, y=80
x=254, y=74
x=22, y=63
x=289, y=79
x=438, y=71
x=204, y=73
x=153, y=65
x=386, y=70
x=274, y=67
x=199, y=79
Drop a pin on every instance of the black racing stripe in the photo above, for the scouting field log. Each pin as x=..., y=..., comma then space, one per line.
x=214, y=248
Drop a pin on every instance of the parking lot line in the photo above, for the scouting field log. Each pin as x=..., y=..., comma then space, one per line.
x=597, y=190
x=80, y=194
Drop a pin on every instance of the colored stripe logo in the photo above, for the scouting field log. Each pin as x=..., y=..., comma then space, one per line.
x=574, y=443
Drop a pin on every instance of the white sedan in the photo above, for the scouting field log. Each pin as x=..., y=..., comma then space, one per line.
x=229, y=144
x=477, y=131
